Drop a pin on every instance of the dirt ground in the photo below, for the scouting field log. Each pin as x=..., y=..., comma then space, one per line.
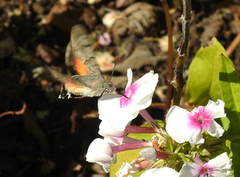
x=41, y=135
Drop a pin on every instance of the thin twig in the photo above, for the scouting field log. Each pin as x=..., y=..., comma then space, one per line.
x=14, y=112
x=233, y=45
x=178, y=81
x=73, y=120
x=170, y=54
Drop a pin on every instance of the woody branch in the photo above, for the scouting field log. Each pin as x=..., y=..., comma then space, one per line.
x=178, y=81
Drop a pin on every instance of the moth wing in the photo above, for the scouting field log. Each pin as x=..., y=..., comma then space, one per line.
x=73, y=84
x=85, y=62
x=64, y=79
x=73, y=61
x=79, y=67
x=68, y=56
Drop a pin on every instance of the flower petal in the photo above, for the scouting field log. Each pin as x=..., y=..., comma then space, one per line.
x=221, y=173
x=140, y=92
x=178, y=125
x=215, y=129
x=145, y=77
x=191, y=169
x=117, y=111
x=129, y=76
x=112, y=114
x=163, y=171
x=220, y=162
x=108, y=105
x=146, y=84
x=114, y=140
x=196, y=137
x=109, y=109
x=216, y=109
x=99, y=151
x=106, y=129
x=145, y=92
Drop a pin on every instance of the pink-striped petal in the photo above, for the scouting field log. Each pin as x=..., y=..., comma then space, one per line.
x=221, y=163
x=180, y=127
x=191, y=169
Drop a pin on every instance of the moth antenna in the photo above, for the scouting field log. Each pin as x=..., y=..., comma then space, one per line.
x=112, y=76
x=114, y=68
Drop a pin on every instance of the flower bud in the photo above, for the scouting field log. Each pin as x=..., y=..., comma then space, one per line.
x=148, y=153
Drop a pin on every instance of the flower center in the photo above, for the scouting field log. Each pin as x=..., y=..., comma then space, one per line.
x=126, y=99
x=199, y=120
x=205, y=173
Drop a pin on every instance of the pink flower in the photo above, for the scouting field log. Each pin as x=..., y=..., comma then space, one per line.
x=218, y=166
x=139, y=94
x=183, y=126
x=105, y=39
x=118, y=110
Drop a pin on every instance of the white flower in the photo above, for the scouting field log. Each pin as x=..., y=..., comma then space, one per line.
x=163, y=171
x=119, y=110
x=218, y=166
x=183, y=126
x=110, y=134
x=114, y=122
x=100, y=152
x=139, y=94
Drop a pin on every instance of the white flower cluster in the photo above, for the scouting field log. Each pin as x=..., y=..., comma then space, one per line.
x=116, y=112
x=182, y=128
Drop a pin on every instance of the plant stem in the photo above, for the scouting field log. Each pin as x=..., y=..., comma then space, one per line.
x=178, y=81
x=170, y=54
x=233, y=45
x=130, y=146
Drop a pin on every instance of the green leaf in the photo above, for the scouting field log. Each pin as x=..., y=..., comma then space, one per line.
x=203, y=80
x=230, y=92
x=229, y=144
x=236, y=158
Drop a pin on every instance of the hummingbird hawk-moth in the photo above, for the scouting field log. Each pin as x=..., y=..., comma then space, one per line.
x=88, y=82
